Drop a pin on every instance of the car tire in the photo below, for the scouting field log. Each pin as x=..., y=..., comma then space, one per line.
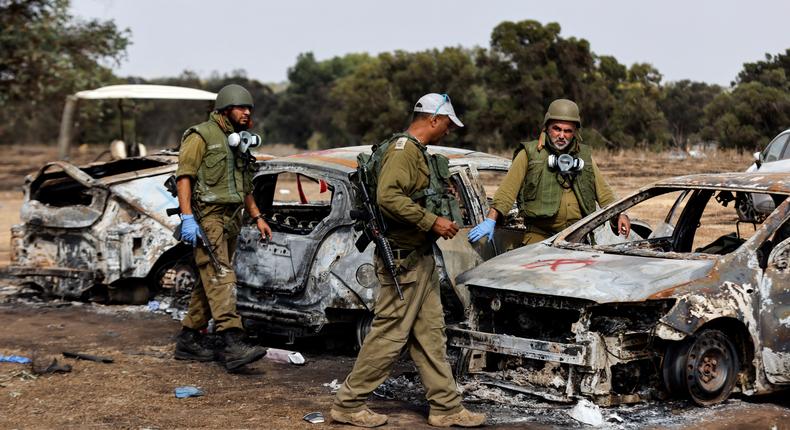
x=364, y=324
x=704, y=368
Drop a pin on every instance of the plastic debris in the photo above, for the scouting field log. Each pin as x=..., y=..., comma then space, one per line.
x=334, y=385
x=586, y=412
x=284, y=356
x=188, y=391
x=14, y=359
x=153, y=305
x=314, y=417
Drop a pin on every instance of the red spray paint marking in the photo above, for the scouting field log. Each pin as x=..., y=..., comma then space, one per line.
x=554, y=264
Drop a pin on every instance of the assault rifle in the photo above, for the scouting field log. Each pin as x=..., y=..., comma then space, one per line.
x=170, y=184
x=373, y=230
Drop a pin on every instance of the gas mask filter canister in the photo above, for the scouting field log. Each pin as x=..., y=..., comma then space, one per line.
x=565, y=163
x=244, y=140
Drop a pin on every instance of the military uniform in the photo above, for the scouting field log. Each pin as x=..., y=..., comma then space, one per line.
x=547, y=206
x=223, y=178
x=418, y=320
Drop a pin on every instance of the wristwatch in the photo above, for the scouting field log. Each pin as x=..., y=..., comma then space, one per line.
x=259, y=216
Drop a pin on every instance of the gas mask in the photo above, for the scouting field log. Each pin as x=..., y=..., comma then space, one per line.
x=566, y=164
x=244, y=140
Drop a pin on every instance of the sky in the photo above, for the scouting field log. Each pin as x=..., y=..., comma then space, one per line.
x=700, y=40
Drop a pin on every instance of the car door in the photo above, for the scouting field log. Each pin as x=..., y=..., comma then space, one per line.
x=300, y=219
x=775, y=309
x=457, y=254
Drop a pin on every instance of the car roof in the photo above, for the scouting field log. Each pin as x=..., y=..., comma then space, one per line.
x=778, y=183
x=345, y=159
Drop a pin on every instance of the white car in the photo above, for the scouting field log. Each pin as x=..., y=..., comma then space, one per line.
x=774, y=158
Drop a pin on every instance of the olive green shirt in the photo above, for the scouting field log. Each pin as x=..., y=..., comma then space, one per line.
x=403, y=173
x=193, y=149
x=569, y=210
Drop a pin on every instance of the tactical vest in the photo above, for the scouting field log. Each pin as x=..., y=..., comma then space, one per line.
x=541, y=192
x=437, y=197
x=222, y=174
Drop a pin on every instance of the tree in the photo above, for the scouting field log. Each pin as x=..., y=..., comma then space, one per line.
x=747, y=117
x=47, y=54
x=773, y=72
x=683, y=105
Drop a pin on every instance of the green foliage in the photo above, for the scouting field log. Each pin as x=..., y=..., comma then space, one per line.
x=748, y=117
x=47, y=54
x=683, y=105
x=500, y=92
x=773, y=72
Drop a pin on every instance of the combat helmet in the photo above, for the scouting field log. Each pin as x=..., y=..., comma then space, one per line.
x=233, y=95
x=563, y=110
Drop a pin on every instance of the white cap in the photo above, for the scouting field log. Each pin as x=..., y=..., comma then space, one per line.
x=437, y=104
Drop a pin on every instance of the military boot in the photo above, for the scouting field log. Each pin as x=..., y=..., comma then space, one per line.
x=237, y=352
x=190, y=346
x=363, y=418
x=462, y=418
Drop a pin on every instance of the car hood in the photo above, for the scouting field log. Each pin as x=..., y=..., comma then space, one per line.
x=595, y=276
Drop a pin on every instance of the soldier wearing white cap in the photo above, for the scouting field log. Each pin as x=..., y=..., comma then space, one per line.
x=414, y=218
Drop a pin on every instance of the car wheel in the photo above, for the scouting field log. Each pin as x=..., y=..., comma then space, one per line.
x=177, y=281
x=364, y=324
x=704, y=368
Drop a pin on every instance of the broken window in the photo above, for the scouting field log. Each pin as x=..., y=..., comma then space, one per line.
x=679, y=221
x=293, y=202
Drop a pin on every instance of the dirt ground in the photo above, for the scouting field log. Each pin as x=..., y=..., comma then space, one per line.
x=136, y=390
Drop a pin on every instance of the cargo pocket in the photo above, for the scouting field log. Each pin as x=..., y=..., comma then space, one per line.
x=388, y=305
x=215, y=167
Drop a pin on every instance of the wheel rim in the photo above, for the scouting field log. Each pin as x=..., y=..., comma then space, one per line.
x=711, y=367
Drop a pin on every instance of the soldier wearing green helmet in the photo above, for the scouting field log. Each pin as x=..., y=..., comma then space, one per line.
x=554, y=180
x=214, y=182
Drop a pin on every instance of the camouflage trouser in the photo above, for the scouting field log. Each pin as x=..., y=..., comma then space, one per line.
x=215, y=296
x=417, y=322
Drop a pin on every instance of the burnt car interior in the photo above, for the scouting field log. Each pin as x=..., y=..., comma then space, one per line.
x=682, y=221
x=293, y=202
x=58, y=189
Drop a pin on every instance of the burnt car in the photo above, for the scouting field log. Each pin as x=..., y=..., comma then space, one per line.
x=101, y=231
x=696, y=305
x=310, y=276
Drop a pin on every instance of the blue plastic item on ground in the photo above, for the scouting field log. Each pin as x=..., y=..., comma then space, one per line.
x=14, y=359
x=188, y=391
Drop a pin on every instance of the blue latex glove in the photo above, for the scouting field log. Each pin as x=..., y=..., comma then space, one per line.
x=188, y=391
x=189, y=229
x=485, y=228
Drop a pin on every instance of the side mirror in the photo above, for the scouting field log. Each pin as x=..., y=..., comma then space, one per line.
x=758, y=159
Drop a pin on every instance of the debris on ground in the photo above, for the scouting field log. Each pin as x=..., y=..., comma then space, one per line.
x=586, y=412
x=314, y=417
x=188, y=391
x=284, y=356
x=14, y=359
x=333, y=386
x=89, y=357
x=49, y=365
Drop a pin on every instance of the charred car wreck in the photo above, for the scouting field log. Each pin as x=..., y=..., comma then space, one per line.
x=310, y=275
x=697, y=305
x=101, y=232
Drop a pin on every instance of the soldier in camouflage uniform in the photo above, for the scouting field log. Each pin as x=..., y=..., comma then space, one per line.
x=418, y=321
x=214, y=181
x=550, y=198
